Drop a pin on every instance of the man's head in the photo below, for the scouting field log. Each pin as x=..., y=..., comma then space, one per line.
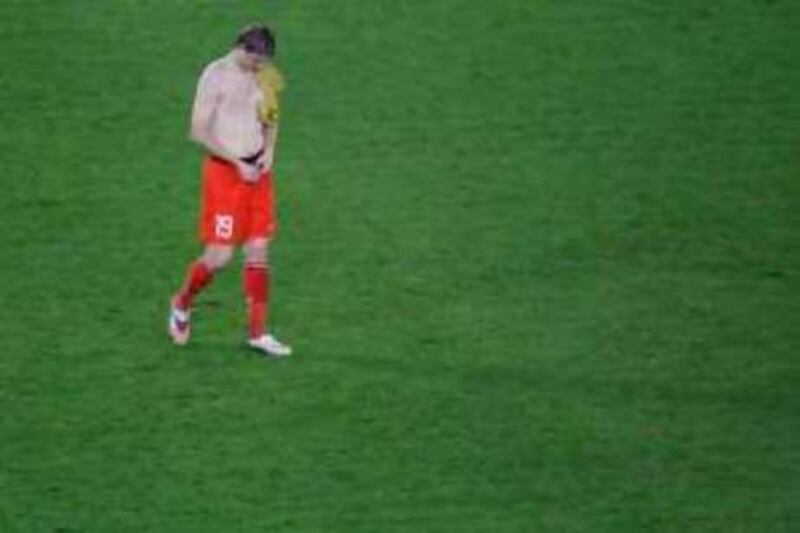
x=255, y=45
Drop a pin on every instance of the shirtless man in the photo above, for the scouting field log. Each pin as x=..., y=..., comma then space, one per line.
x=235, y=119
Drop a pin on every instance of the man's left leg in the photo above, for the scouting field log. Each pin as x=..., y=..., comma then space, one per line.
x=256, y=284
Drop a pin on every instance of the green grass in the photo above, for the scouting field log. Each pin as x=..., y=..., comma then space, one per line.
x=539, y=261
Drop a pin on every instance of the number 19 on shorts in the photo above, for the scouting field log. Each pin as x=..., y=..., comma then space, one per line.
x=223, y=226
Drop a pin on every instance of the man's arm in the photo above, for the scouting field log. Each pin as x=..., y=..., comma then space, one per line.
x=270, y=140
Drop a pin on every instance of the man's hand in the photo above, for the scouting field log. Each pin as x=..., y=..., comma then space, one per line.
x=264, y=163
x=249, y=173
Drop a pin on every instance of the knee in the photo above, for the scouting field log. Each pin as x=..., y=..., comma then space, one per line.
x=256, y=257
x=256, y=254
x=217, y=258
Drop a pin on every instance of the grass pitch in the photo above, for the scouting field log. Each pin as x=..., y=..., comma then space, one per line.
x=538, y=260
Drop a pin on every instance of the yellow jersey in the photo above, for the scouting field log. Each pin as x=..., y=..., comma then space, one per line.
x=271, y=82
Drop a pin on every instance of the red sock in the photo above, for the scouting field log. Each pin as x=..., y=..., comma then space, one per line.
x=198, y=276
x=256, y=289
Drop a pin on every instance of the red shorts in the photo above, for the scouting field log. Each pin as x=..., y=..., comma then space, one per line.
x=234, y=211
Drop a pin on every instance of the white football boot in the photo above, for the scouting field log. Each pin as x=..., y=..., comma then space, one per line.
x=178, y=325
x=270, y=346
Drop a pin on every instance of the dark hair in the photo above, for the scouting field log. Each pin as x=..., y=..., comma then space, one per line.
x=257, y=40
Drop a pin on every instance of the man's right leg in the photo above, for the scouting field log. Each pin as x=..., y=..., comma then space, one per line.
x=215, y=257
x=201, y=272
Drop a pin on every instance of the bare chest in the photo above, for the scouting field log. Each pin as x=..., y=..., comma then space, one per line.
x=240, y=95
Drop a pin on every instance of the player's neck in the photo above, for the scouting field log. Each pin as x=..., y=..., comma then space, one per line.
x=234, y=59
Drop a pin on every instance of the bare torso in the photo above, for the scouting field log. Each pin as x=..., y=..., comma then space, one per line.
x=234, y=96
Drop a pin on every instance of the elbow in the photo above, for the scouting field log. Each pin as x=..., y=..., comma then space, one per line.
x=195, y=134
x=198, y=132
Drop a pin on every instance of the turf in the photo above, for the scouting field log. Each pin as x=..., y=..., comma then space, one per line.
x=539, y=261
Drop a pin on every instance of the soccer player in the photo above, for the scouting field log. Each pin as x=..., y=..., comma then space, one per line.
x=235, y=119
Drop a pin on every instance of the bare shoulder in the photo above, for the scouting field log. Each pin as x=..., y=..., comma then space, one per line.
x=214, y=73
